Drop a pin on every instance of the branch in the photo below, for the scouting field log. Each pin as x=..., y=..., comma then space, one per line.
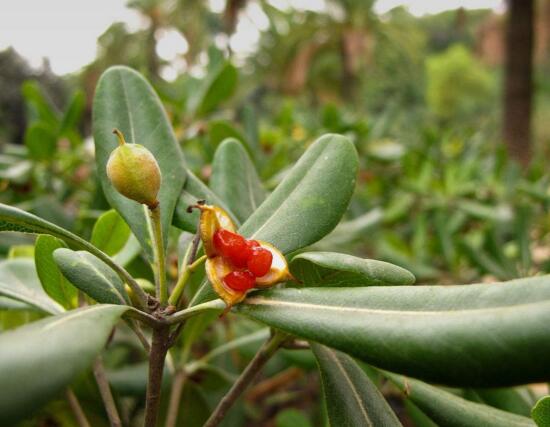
x=175, y=398
x=182, y=315
x=105, y=392
x=268, y=349
x=159, y=348
x=77, y=409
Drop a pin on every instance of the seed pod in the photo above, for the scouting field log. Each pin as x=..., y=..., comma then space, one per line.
x=218, y=266
x=134, y=172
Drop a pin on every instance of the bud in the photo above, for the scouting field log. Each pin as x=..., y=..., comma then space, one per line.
x=134, y=172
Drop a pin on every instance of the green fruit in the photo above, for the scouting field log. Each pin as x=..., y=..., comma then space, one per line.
x=134, y=172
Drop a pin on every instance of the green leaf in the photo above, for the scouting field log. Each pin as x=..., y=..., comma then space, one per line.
x=73, y=113
x=19, y=281
x=469, y=336
x=218, y=86
x=292, y=418
x=91, y=276
x=53, y=281
x=350, y=396
x=350, y=231
x=12, y=304
x=125, y=100
x=193, y=191
x=110, y=233
x=41, y=141
x=312, y=198
x=335, y=269
x=449, y=410
x=40, y=359
x=235, y=180
x=516, y=400
x=13, y=219
x=541, y=412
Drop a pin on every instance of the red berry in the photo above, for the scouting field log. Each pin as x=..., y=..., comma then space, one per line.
x=232, y=246
x=260, y=261
x=252, y=244
x=240, y=281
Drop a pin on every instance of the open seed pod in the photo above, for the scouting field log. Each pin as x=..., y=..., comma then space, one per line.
x=214, y=218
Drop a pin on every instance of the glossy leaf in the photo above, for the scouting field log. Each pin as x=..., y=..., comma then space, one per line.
x=541, y=412
x=110, y=233
x=235, y=180
x=125, y=100
x=53, y=281
x=19, y=281
x=91, y=276
x=516, y=400
x=350, y=396
x=476, y=335
x=312, y=198
x=449, y=410
x=40, y=359
x=335, y=269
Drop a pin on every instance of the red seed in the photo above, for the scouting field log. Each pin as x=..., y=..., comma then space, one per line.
x=240, y=281
x=232, y=246
x=252, y=244
x=260, y=261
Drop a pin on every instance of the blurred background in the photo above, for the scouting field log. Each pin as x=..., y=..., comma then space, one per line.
x=446, y=102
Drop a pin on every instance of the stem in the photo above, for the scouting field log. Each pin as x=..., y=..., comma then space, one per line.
x=159, y=266
x=182, y=315
x=77, y=409
x=268, y=349
x=175, y=398
x=159, y=348
x=183, y=279
x=105, y=392
x=120, y=136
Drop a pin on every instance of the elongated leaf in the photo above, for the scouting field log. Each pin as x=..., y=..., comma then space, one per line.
x=449, y=410
x=541, y=412
x=53, y=281
x=13, y=219
x=12, y=304
x=193, y=191
x=218, y=86
x=125, y=100
x=312, y=198
x=110, y=233
x=19, y=281
x=516, y=400
x=91, y=276
x=351, y=231
x=235, y=180
x=334, y=269
x=476, y=335
x=41, y=141
x=73, y=113
x=350, y=396
x=40, y=359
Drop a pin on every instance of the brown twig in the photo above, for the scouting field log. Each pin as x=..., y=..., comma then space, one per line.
x=77, y=409
x=175, y=398
x=159, y=348
x=105, y=392
x=268, y=349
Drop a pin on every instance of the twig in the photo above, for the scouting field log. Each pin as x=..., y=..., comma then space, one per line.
x=159, y=265
x=105, y=392
x=77, y=409
x=268, y=349
x=175, y=398
x=182, y=315
x=159, y=348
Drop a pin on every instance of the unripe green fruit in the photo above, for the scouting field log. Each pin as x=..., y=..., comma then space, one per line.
x=134, y=172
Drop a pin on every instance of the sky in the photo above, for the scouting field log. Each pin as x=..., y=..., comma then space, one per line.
x=65, y=31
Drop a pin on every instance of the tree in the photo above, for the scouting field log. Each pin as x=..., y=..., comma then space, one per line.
x=518, y=79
